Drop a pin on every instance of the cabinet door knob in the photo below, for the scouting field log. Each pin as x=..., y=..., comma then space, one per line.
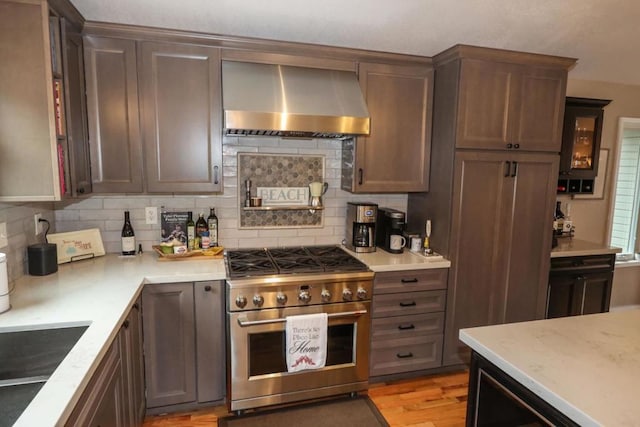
x=516, y=146
x=207, y=288
x=414, y=280
x=360, y=173
x=509, y=145
x=515, y=169
x=125, y=324
x=80, y=190
x=406, y=327
x=136, y=306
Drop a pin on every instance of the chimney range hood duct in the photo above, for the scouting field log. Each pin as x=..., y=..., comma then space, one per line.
x=287, y=101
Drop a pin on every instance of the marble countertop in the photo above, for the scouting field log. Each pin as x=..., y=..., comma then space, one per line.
x=588, y=367
x=98, y=293
x=575, y=247
x=381, y=260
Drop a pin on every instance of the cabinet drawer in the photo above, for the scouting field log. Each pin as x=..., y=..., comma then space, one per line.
x=408, y=303
x=408, y=354
x=384, y=328
x=582, y=264
x=410, y=281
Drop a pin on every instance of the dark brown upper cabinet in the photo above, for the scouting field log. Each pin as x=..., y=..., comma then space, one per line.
x=181, y=117
x=114, y=124
x=395, y=156
x=509, y=106
x=581, y=137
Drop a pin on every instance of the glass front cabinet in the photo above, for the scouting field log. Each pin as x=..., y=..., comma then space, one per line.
x=580, y=144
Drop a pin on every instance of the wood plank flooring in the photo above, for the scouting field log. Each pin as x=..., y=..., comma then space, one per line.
x=432, y=401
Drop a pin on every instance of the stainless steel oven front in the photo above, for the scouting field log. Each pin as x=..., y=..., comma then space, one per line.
x=257, y=374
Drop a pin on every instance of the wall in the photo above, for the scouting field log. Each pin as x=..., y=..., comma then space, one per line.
x=106, y=212
x=591, y=217
x=21, y=233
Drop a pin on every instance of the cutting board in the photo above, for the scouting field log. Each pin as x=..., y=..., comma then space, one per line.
x=200, y=254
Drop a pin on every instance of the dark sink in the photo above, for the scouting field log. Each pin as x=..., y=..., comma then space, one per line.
x=27, y=360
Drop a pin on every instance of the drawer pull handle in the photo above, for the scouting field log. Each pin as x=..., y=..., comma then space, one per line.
x=404, y=355
x=408, y=304
x=406, y=327
x=414, y=280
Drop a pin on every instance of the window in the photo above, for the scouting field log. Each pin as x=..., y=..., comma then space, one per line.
x=624, y=223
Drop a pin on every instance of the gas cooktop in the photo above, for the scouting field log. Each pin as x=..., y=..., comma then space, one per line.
x=290, y=260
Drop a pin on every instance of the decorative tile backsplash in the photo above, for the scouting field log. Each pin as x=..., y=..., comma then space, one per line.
x=106, y=211
x=280, y=171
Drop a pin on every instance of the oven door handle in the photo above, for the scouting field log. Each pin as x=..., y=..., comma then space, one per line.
x=242, y=321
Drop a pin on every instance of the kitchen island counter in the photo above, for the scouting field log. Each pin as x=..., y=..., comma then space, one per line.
x=381, y=260
x=99, y=293
x=586, y=367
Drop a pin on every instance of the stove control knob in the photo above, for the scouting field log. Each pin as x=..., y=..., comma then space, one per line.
x=326, y=295
x=241, y=301
x=258, y=300
x=347, y=294
x=362, y=293
x=281, y=298
x=304, y=296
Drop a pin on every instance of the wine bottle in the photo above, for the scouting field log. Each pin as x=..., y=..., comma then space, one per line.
x=559, y=218
x=128, y=237
x=191, y=231
x=212, y=223
x=201, y=226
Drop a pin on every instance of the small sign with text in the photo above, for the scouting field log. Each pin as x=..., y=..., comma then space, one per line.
x=280, y=196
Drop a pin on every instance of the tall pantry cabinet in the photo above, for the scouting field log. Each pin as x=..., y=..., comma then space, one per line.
x=497, y=130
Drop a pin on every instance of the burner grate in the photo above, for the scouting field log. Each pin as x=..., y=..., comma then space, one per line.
x=289, y=260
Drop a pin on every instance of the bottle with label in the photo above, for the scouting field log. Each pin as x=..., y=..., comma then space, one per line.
x=567, y=223
x=191, y=232
x=559, y=219
x=128, y=237
x=212, y=223
x=201, y=226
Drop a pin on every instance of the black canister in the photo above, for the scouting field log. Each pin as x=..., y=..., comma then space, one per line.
x=42, y=259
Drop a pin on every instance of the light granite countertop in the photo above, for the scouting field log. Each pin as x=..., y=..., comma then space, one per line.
x=99, y=293
x=587, y=367
x=575, y=247
x=381, y=260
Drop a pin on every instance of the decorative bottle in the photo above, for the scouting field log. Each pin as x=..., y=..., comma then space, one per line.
x=128, y=237
x=191, y=232
x=559, y=219
x=212, y=224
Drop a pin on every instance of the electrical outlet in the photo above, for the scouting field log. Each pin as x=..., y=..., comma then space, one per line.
x=38, y=224
x=151, y=215
x=4, y=240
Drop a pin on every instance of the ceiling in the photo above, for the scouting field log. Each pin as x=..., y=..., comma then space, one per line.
x=603, y=35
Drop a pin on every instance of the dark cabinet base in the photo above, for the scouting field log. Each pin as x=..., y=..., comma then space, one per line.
x=496, y=399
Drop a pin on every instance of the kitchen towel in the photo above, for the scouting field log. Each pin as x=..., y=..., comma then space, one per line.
x=306, y=341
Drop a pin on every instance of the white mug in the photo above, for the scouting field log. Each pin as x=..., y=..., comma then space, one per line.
x=397, y=242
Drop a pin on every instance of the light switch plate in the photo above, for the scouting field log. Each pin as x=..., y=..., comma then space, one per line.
x=4, y=240
x=151, y=215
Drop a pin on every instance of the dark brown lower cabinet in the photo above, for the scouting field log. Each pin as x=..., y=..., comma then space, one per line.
x=115, y=394
x=183, y=327
x=407, y=321
x=580, y=285
x=496, y=399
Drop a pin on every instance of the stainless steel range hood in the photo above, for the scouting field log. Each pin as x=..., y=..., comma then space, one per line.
x=282, y=100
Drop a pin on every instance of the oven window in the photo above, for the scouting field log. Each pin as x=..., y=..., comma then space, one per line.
x=267, y=349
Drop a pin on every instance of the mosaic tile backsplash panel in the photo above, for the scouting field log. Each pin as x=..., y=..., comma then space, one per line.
x=270, y=170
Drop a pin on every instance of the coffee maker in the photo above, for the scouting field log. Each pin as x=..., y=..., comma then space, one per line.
x=361, y=227
x=390, y=225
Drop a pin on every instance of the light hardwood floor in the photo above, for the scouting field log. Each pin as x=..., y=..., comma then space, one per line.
x=432, y=401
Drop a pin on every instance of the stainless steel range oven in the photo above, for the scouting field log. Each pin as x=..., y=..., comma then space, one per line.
x=266, y=286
